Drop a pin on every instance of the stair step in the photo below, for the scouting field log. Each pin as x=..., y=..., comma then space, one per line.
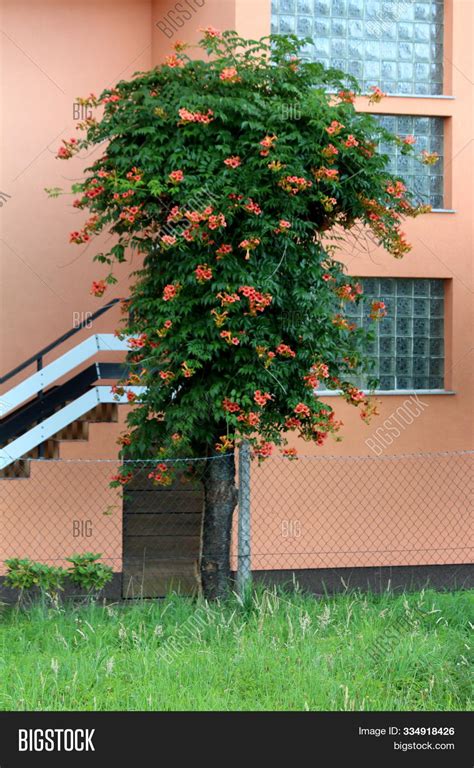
x=103, y=412
x=21, y=467
x=77, y=430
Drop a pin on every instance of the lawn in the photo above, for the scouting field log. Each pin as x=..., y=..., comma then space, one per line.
x=274, y=651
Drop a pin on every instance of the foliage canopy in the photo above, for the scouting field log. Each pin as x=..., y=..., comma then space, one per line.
x=233, y=175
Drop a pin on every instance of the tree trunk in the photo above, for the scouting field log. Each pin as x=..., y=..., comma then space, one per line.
x=220, y=498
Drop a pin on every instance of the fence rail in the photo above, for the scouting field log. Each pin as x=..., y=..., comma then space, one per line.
x=310, y=513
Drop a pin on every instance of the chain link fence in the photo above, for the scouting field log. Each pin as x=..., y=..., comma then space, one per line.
x=346, y=512
x=309, y=513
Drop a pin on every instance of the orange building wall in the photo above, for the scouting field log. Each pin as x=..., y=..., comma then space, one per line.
x=49, y=515
x=53, y=51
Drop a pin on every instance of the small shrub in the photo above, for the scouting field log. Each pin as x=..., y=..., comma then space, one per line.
x=24, y=574
x=20, y=574
x=86, y=572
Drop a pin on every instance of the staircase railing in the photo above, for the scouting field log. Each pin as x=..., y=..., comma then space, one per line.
x=37, y=382
x=38, y=356
x=37, y=435
x=45, y=375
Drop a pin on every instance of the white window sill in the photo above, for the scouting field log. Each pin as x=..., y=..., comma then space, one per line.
x=420, y=96
x=388, y=392
x=443, y=210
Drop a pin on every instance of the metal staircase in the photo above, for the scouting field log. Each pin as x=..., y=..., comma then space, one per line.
x=38, y=412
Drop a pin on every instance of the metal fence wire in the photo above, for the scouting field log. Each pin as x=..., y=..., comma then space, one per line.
x=309, y=513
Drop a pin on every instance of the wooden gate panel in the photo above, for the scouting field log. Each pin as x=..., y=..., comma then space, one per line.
x=161, y=538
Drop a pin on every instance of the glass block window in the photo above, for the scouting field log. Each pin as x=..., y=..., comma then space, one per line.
x=426, y=181
x=408, y=350
x=395, y=44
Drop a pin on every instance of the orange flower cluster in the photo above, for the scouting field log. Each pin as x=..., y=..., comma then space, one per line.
x=98, y=288
x=257, y=301
x=396, y=190
x=187, y=370
x=252, y=207
x=223, y=250
x=195, y=117
x=161, y=475
x=261, y=398
x=224, y=444
x=330, y=153
x=330, y=174
x=130, y=213
x=120, y=479
x=283, y=226
x=391, y=236
x=341, y=322
x=353, y=395
x=228, y=298
x=112, y=99
x=173, y=61
x=349, y=292
x=233, y=161
x=348, y=97
x=377, y=94
x=263, y=449
x=267, y=354
x=311, y=380
x=285, y=351
x=210, y=32
x=227, y=336
x=176, y=176
x=295, y=184
x=267, y=144
x=166, y=327
x=377, y=310
x=230, y=406
x=135, y=174
x=203, y=273
x=170, y=291
x=302, y=410
x=230, y=75
x=334, y=128
x=351, y=141
x=321, y=370
x=68, y=149
x=328, y=203
x=250, y=419
x=249, y=245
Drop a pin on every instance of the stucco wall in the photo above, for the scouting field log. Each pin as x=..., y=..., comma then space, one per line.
x=53, y=51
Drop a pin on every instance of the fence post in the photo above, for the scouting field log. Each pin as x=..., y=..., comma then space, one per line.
x=243, y=547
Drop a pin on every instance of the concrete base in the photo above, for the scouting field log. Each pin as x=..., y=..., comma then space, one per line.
x=321, y=581
x=112, y=592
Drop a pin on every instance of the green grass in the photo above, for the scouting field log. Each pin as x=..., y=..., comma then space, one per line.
x=274, y=652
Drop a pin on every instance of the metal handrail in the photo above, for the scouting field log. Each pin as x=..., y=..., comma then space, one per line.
x=38, y=357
